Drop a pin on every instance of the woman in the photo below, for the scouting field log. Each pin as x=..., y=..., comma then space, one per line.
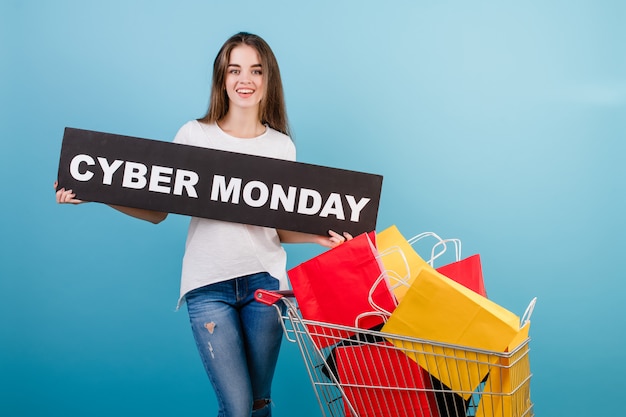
x=225, y=263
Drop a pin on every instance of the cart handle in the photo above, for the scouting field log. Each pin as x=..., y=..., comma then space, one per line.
x=271, y=297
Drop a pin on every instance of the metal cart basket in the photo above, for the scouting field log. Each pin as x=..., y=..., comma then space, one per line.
x=357, y=372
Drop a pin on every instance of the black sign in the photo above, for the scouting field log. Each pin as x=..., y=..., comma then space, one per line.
x=215, y=184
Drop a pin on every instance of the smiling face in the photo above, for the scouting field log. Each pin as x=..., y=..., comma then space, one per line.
x=244, y=81
x=237, y=59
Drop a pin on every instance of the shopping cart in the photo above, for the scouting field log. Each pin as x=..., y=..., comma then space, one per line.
x=359, y=373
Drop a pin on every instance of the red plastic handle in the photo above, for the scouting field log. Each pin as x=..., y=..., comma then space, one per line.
x=271, y=297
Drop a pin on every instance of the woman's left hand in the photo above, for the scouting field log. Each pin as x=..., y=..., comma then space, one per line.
x=335, y=239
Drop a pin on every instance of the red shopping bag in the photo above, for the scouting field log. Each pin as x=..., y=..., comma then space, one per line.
x=467, y=272
x=341, y=286
x=380, y=381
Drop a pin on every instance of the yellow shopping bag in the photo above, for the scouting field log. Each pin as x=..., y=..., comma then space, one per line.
x=402, y=264
x=438, y=309
x=507, y=389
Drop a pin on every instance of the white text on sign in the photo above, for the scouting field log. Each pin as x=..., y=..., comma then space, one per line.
x=168, y=180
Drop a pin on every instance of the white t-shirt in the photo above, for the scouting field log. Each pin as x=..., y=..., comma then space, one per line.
x=217, y=250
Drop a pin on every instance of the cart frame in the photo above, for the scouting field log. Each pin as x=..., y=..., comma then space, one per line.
x=357, y=372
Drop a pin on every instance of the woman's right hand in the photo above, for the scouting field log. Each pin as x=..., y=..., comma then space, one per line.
x=65, y=196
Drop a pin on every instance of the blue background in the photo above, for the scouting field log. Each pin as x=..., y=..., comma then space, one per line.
x=499, y=123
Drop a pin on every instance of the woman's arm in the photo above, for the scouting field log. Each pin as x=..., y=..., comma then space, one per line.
x=333, y=239
x=151, y=216
x=64, y=196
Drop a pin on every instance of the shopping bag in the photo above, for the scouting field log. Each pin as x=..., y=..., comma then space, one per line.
x=449, y=403
x=398, y=263
x=370, y=336
x=378, y=380
x=402, y=265
x=468, y=272
x=437, y=308
x=507, y=389
x=342, y=286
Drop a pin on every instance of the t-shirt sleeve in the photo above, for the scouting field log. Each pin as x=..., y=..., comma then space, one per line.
x=183, y=136
x=291, y=151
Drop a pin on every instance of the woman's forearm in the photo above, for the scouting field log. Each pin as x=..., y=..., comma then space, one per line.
x=333, y=239
x=151, y=216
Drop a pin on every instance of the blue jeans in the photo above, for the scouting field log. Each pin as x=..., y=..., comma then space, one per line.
x=238, y=340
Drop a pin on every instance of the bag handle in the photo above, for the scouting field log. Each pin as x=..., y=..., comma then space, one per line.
x=412, y=241
x=435, y=253
x=400, y=280
x=370, y=297
x=443, y=242
x=369, y=314
x=383, y=277
x=378, y=310
x=529, y=311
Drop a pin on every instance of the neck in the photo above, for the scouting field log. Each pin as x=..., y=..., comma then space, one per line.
x=242, y=124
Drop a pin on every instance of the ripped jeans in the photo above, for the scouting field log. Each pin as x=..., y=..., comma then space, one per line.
x=238, y=340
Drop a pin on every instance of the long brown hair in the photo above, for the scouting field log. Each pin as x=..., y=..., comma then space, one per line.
x=272, y=110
